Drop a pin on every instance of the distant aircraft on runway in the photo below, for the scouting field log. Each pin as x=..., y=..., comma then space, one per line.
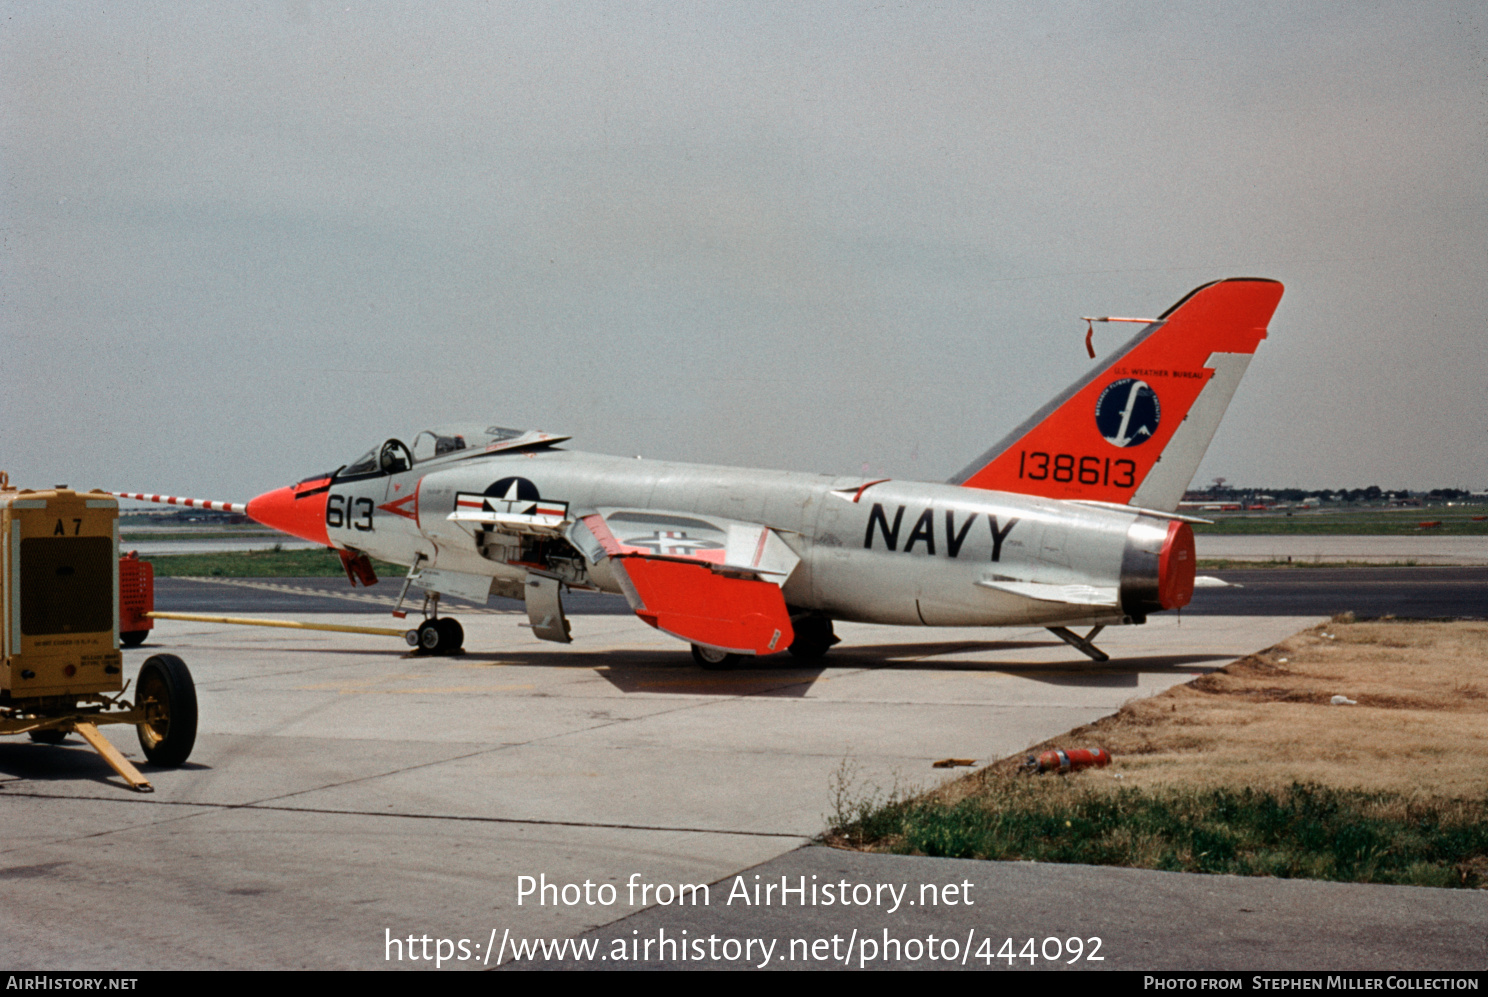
x=1069, y=520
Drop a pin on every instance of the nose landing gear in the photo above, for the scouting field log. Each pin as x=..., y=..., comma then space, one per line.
x=437, y=634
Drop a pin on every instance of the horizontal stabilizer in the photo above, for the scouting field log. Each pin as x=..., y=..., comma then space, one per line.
x=1072, y=595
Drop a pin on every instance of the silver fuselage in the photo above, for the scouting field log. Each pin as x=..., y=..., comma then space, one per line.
x=898, y=552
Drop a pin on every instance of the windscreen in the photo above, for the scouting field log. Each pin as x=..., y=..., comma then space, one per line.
x=436, y=443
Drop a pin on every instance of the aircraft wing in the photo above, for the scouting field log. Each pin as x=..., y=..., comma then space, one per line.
x=705, y=579
x=725, y=545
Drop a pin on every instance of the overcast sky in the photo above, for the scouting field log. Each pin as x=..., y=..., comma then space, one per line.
x=244, y=242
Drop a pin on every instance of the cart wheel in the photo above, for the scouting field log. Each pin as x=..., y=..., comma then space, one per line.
x=49, y=736
x=166, y=694
x=133, y=638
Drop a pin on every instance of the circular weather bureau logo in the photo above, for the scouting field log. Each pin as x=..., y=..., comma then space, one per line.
x=1127, y=412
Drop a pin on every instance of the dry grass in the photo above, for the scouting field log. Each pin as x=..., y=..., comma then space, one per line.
x=1251, y=770
x=1420, y=728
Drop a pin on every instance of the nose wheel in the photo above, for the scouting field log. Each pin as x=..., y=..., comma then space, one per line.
x=438, y=636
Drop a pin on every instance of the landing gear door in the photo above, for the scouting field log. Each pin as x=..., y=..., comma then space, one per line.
x=545, y=608
x=462, y=585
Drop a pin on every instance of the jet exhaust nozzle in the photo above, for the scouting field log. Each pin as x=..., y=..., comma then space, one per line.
x=1157, y=568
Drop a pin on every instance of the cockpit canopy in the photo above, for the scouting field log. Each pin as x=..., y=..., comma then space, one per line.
x=394, y=456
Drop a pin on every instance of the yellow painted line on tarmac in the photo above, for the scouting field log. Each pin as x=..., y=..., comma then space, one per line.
x=355, y=683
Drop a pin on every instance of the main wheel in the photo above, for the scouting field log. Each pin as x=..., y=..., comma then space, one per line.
x=49, y=736
x=452, y=635
x=814, y=637
x=133, y=638
x=714, y=659
x=167, y=696
x=441, y=636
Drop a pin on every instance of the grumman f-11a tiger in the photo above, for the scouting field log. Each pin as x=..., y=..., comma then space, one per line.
x=1068, y=521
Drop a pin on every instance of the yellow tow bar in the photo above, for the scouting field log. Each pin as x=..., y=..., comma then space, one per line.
x=244, y=621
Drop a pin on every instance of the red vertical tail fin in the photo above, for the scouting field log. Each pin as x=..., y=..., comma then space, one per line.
x=1133, y=432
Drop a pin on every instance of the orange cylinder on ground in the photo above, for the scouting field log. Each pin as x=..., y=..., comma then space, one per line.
x=1072, y=760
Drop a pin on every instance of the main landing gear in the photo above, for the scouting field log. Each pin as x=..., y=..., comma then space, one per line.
x=814, y=637
x=716, y=660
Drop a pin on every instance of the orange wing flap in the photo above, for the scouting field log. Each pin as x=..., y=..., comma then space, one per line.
x=740, y=615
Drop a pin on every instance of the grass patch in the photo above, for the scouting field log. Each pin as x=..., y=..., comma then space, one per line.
x=1305, y=831
x=1250, y=770
x=317, y=563
x=163, y=536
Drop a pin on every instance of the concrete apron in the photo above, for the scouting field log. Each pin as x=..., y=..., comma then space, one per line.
x=343, y=794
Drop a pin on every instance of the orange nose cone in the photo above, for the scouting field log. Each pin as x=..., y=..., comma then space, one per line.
x=298, y=510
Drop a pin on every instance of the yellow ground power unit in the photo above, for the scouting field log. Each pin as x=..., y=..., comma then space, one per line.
x=61, y=670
